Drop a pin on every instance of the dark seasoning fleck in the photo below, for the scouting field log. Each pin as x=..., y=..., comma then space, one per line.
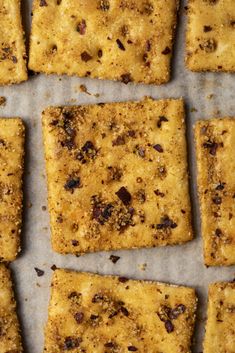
x=39, y=272
x=167, y=315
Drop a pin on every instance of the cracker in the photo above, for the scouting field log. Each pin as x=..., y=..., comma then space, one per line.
x=11, y=161
x=216, y=188
x=12, y=48
x=109, y=39
x=10, y=340
x=115, y=179
x=220, y=328
x=114, y=314
x=210, y=35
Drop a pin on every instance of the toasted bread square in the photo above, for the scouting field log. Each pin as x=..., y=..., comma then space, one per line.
x=10, y=340
x=117, y=175
x=220, y=327
x=215, y=139
x=108, y=39
x=12, y=48
x=92, y=313
x=211, y=35
x=11, y=170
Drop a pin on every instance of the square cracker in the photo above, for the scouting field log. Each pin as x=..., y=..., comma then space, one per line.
x=211, y=35
x=215, y=140
x=12, y=48
x=11, y=161
x=220, y=327
x=93, y=313
x=10, y=340
x=108, y=39
x=117, y=175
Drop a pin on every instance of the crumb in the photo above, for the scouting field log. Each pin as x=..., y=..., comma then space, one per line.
x=210, y=96
x=142, y=267
x=114, y=258
x=2, y=101
x=193, y=110
x=47, y=95
x=83, y=89
x=39, y=272
x=44, y=208
x=72, y=100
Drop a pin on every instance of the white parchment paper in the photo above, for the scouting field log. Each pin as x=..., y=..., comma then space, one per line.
x=207, y=94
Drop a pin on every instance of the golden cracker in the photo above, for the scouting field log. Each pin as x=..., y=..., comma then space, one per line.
x=216, y=188
x=210, y=35
x=12, y=48
x=10, y=340
x=117, y=175
x=113, y=314
x=11, y=160
x=108, y=39
x=220, y=325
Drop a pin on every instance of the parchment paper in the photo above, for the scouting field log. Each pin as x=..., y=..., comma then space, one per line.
x=210, y=94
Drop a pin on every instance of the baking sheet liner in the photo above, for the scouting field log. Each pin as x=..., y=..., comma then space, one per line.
x=206, y=95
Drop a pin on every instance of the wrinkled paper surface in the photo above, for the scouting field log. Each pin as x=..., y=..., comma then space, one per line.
x=206, y=95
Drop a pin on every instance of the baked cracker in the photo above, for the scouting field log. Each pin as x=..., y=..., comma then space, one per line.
x=211, y=35
x=216, y=188
x=117, y=175
x=10, y=340
x=11, y=161
x=220, y=327
x=109, y=39
x=12, y=46
x=95, y=313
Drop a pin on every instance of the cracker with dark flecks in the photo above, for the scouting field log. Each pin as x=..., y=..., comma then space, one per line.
x=117, y=175
x=215, y=141
x=92, y=313
x=211, y=35
x=220, y=327
x=12, y=48
x=10, y=340
x=107, y=39
x=11, y=161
